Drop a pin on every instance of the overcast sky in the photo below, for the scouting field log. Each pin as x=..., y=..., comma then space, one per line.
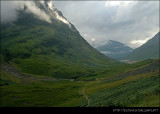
x=132, y=23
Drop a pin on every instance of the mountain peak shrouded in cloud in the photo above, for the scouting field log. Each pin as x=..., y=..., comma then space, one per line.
x=101, y=23
x=27, y=6
x=48, y=48
x=43, y=10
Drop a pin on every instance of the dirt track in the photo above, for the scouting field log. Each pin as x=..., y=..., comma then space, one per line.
x=83, y=92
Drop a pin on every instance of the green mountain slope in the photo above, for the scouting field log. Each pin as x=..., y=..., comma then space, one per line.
x=149, y=50
x=51, y=49
x=114, y=49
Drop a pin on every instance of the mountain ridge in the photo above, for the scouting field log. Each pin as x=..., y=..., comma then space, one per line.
x=149, y=50
x=53, y=49
x=114, y=49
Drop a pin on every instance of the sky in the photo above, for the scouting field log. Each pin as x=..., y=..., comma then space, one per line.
x=130, y=22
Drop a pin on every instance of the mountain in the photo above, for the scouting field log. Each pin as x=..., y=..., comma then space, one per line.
x=43, y=42
x=149, y=50
x=114, y=49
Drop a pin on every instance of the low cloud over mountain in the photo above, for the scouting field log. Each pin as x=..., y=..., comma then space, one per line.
x=124, y=21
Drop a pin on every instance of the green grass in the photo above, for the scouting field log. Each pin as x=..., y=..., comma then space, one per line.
x=61, y=93
x=49, y=49
x=149, y=100
x=125, y=94
x=41, y=91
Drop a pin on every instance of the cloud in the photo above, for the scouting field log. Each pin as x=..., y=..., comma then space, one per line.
x=117, y=3
x=54, y=10
x=9, y=10
x=93, y=39
x=139, y=42
x=32, y=8
x=62, y=19
x=124, y=22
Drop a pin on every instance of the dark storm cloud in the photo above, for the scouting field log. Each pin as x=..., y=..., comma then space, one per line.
x=137, y=21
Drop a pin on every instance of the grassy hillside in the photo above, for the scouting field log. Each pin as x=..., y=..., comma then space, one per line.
x=149, y=50
x=25, y=90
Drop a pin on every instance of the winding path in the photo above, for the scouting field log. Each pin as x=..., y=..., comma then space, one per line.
x=83, y=92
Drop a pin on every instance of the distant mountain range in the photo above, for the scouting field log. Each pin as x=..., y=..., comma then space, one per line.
x=114, y=49
x=149, y=50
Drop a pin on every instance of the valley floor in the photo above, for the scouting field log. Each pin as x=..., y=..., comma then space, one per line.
x=137, y=86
